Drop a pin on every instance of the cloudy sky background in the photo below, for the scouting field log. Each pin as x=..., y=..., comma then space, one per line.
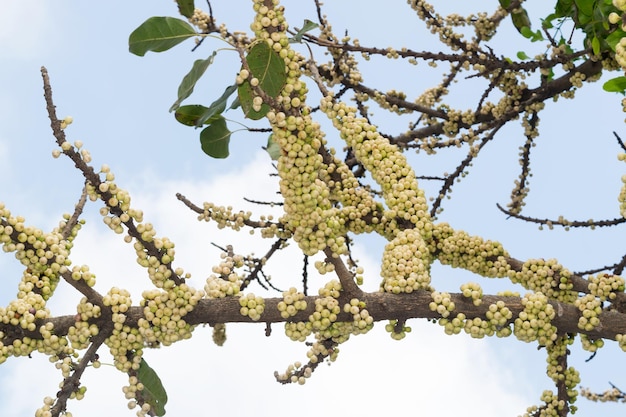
x=119, y=103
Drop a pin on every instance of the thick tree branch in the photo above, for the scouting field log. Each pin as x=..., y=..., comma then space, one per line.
x=381, y=306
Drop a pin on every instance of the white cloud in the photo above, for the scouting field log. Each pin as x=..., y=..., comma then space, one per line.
x=426, y=373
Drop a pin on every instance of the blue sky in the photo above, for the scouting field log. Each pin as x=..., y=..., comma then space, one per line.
x=119, y=103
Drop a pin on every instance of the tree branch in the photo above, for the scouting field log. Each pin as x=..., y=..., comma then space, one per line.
x=381, y=306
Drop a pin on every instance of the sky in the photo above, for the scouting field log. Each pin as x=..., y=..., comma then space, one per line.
x=119, y=103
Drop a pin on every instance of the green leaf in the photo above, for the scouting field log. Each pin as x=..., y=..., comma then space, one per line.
x=308, y=26
x=246, y=96
x=268, y=67
x=217, y=107
x=272, y=148
x=236, y=103
x=198, y=115
x=532, y=36
x=153, y=391
x=189, y=81
x=159, y=34
x=547, y=22
x=215, y=138
x=564, y=8
x=190, y=114
x=585, y=7
x=537, y=36
x=614, y=37
x=595, y=45
x=522, y=55
x=615, y=85
x=520, y=19
x=186, y=7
